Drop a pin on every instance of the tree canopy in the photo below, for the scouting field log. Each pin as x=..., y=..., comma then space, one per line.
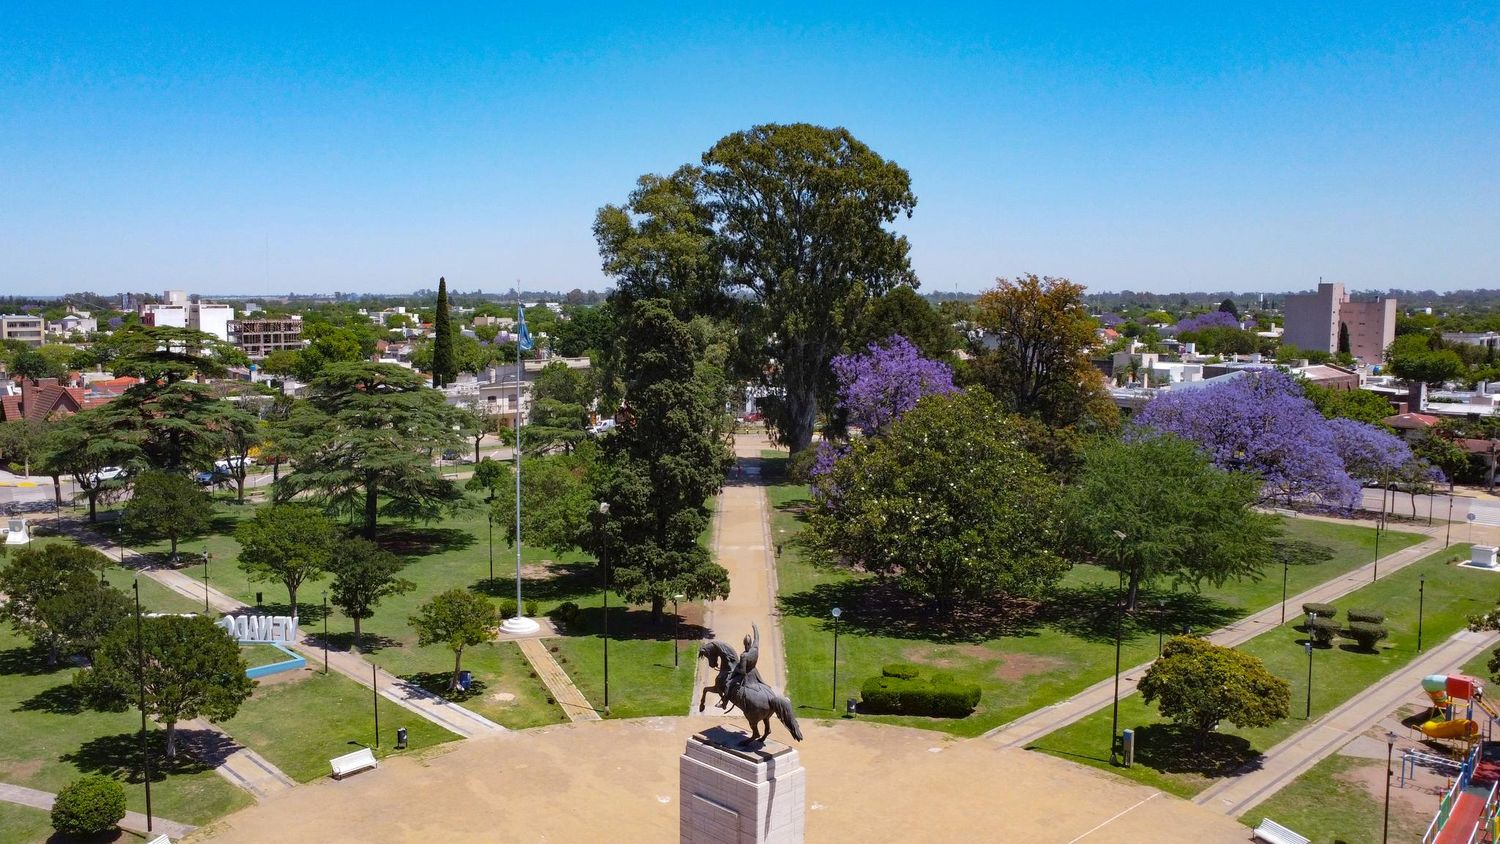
x=456, y=619
x=877, y=386
x=444, y=368
x=166, y=505
x=55, y=598
x=366, y=433
x=1180, y=516
x=947, y=504
x=1200, y=685
x=288, y=543
x=363, y=575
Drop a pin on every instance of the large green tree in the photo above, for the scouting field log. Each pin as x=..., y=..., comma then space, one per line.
x=166, y=505
x=783, y=225
x=458, y=620
x=903, y=311
x=1154, y=506
x=946, y=504
x=55, y=598
x=287, y=543
x=191, y=668
x=363, y=575
x=661, y=466
x=1199, y=685
x=84, y=445
x=444, y=368
x=367, y=432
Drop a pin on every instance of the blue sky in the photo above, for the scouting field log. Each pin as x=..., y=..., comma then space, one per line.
x=355, y=148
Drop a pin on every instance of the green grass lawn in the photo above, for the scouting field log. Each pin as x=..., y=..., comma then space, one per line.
x=1326, y=806
x=1167, y=760
x=1479, y=667
x=503, y=689
x=300, y=724
x=642, y=680
x=1022, y=662
x=50, y=739
x=23, y=824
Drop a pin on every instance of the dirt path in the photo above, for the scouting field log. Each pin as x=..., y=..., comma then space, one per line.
x=742, y=544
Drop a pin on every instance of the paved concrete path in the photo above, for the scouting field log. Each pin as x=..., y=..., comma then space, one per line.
x=1034, y=725
x=567, y=695
x=133, y=822
x=742, y=544
x=1283, y=763
x=233, y=761
x=444, y=713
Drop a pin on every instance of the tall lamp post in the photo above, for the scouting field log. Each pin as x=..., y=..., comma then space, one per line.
x=1114, y=718
x=676, y=628
x=1377, y=539
x=1161, y=610
x=491, y=520
x=1285, y=564
x=1308, y=645
x=1421, y=599
x=325, y=632
x=1448, y=536
x=140, y=653
x=835, y=612
x=1385, y=825
x=206, y=557
x=604, y=560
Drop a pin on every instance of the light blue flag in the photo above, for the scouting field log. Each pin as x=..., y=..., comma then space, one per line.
x=523, y=336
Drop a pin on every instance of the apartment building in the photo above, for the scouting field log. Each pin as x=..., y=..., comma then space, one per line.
x=179, y=311
x=27, y=329
x=260, y=337
x=1322, y=320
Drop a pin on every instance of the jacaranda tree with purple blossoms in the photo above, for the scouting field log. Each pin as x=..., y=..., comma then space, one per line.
x=1371, y=455
x=1212, y=319
x=1260, y=422
x=879, y=385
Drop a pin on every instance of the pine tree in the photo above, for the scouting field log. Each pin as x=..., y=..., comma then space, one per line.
x=444, y=369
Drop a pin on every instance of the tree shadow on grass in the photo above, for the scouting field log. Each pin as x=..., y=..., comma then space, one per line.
x=209, y=747
x=436, y=682
x=119, y=756
x=875, y=608
x=1091, y=613
x=367, y=643
x=1173, y=750
x=62, y=699
x=102, y=838
x=565, y=582
x=28, y=662
x=626, y=622
x=424, y=541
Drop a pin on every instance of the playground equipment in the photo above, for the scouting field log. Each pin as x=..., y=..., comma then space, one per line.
x=1467, y=812
x=1443, y=722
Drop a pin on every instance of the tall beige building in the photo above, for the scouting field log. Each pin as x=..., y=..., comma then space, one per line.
x=1313, y=321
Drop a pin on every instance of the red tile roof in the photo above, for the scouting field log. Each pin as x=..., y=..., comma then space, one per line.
x=1411, y=421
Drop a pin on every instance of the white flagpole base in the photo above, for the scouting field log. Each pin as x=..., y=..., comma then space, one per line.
x=519, y=626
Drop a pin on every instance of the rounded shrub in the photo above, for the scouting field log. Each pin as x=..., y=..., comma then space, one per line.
x=1366, y=634
x=938, y=696
x=1322, y=630
x=531, y=608
x=565, y=613
x=1372, y=616
x=1320, y=610
x=508, y=608
x=89, y=805
x=901, y=670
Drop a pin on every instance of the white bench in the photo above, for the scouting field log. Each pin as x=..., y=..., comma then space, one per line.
x=160, y=839
x=1275, y=833
x=356, y=761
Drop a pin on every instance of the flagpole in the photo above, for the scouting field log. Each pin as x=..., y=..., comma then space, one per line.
x=519, y=624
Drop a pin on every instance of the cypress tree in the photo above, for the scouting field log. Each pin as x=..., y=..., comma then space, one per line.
x=1343, y=338
x=444, y=370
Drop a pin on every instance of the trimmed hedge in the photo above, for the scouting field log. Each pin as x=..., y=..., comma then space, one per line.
x=1322, y=630
x=508, y=608
x=895, y=693
x=1366, y=633
x=89, y=805
x=1372, y=616
x=1320, y=610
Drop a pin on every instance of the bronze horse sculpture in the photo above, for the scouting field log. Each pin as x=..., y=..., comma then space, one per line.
x=739, y=684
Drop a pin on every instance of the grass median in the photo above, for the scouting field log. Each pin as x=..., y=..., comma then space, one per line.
x=1025, y=658
x=1172, y=761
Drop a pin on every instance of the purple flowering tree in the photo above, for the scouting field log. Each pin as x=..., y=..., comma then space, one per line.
x=1212, y=319
x=1371, y=455
x=879, y=385
x=1262, y=423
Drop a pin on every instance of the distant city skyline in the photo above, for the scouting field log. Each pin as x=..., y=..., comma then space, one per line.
x=1162, y=149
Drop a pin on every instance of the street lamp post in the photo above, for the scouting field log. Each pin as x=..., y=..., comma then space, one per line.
x=1385, y=825
x=604, y=560
x=140, y=653
x=836, y=612
x=1308, y=645
x=676, y=629
x=1421, y=600
x=1448, y=536
x=1285, y=563
x=1377, y=541
x=206, y=557
x=325, y=632
x=491, y=521
x=1161, y=610
x=375, y=698
x=1114, y=719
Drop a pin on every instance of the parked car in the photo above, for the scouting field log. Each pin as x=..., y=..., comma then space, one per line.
x=230, y=463
x=108, y=473
x=451, y=454
x=604, y=426
x=211, y=478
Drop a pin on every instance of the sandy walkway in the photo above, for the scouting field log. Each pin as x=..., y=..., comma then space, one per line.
x=617, y=781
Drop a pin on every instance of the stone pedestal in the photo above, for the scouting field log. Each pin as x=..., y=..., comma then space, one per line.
x=731, y=792
x=1482, y=556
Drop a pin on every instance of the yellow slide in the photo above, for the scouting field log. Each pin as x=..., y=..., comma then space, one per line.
x=1459, y=728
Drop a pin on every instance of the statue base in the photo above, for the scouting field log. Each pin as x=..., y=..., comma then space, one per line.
x=520, y=625
x=732, y=791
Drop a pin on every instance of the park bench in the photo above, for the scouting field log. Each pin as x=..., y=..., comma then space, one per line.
x=1275, y=833
x=160, y=839
x=351, y=762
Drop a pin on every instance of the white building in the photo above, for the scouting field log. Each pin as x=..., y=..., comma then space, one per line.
x=76, y=322
x=179, y=312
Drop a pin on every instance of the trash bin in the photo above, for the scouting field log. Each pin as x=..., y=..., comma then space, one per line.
x=400, y=738
x=851, y=706
x=464, y=679
x=1127, y=745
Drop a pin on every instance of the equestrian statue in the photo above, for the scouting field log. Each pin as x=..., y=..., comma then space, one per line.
x=739, y=684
